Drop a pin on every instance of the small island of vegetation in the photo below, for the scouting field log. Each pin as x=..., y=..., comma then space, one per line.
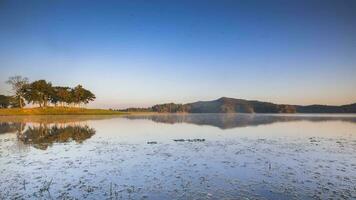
x=47, y=99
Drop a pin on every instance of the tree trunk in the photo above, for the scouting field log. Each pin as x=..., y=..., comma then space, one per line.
x=20, y=101
x=44, y=101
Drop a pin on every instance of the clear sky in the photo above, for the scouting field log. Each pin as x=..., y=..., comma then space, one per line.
x=139, y=53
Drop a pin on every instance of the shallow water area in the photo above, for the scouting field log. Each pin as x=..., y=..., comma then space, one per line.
x=178, y=156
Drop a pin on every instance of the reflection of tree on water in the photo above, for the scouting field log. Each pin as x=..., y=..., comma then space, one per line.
x=13, y=127
x=44, y=135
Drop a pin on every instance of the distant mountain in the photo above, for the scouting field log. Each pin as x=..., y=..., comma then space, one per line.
x=231, y=105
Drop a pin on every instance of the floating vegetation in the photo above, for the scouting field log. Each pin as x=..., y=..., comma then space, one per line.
x=189, y=140
x=152, y=142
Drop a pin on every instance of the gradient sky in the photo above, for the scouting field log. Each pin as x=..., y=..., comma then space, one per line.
x=139, y=53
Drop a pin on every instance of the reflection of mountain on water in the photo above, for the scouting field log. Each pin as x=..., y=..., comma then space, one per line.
x=226, y=121
x=44, y=135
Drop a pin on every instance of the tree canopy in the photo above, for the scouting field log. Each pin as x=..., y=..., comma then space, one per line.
x=43, y=93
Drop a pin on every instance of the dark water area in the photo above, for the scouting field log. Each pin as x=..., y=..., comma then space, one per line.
x=178, y=156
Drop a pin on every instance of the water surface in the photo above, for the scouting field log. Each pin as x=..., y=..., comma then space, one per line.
x=188, y=156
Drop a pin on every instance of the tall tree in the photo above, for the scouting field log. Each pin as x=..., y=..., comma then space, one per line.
x=60, y=95
x=39, y=92
x=88, y=96
x=18, y=83
x=54, y=97
x=81, y=95
x=78, y=94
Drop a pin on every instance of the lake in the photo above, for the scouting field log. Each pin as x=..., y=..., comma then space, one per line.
x=178, y=156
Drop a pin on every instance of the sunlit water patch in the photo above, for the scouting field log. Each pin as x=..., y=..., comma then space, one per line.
x=195, y=156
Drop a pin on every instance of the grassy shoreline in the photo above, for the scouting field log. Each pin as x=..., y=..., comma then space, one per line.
x=57, y=111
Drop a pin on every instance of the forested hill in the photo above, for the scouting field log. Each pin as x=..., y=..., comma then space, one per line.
x=350, y=108
x=231, y=105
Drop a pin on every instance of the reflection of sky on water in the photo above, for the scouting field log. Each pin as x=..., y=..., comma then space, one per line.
x=255, y=156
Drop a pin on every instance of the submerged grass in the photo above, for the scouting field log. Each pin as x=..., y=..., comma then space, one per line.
x=58, y=111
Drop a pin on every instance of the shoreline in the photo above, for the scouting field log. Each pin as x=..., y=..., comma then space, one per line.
x=57, y=111
x=88, y=111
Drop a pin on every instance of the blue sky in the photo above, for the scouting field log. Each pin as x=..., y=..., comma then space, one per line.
x=139, y=53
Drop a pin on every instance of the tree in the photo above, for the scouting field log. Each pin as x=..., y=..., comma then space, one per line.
x=18, y=83
x=88, y=96
x=78, y=94
x=39, y=92
x=60, y=95
x=4, y=101
x=14, y=103
x=54, y=98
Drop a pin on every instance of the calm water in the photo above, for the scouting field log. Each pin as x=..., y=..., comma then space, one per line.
x=198, y=156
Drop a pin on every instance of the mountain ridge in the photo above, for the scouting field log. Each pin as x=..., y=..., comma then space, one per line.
x=233, y=105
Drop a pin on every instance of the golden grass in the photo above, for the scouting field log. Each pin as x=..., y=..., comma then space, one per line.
x=58, y=111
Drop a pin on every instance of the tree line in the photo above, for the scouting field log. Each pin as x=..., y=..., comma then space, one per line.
x=161, y=108
x=43, y=94
x=169, y=108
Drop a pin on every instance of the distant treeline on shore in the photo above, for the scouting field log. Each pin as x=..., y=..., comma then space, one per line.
x=163, y=108
x=43, y=94
x=231, y=105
